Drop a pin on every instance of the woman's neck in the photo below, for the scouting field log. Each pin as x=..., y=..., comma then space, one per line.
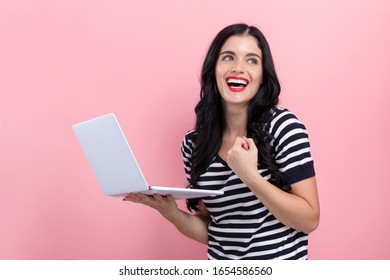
x=235, y=121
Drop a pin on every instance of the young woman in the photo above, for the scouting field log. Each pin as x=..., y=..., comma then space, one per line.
x=255, y=151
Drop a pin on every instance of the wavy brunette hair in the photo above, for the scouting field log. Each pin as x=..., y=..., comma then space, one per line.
x=209, y=113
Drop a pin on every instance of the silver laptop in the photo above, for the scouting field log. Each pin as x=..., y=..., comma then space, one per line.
x=114, y=164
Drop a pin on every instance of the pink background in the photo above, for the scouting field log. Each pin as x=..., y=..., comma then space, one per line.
x=64, y=61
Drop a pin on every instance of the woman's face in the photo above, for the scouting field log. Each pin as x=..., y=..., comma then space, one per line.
x=239, y=70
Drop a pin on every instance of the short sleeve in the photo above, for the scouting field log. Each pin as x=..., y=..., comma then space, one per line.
x=186, y=149
x=292, y=147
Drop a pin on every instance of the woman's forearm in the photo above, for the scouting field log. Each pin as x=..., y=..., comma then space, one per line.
x=298, y=209
x=193, y=226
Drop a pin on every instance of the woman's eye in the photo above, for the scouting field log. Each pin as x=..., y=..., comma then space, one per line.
x=252, y=61
x=227, y=58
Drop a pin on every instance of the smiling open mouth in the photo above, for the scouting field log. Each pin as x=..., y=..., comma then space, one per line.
x=236, y=84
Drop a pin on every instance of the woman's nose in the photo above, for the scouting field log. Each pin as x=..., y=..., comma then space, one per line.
x=238, y=66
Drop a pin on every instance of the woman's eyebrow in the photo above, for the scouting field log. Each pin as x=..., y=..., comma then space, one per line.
x=247, y=55
x=253, y=54
x=228, y=52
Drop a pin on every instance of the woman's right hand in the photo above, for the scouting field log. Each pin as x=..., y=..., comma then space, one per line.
x=166, y=205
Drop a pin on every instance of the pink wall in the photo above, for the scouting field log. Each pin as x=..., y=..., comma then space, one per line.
x=65, y=61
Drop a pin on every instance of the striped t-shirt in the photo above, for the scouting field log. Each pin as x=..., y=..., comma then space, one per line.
x=241, y=226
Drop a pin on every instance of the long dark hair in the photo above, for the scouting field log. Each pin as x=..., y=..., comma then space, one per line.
x=209, y=114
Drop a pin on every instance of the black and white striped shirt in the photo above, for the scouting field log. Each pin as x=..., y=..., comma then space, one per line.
x=241, y=226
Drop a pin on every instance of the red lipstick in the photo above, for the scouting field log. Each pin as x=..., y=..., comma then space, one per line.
x=236, y=84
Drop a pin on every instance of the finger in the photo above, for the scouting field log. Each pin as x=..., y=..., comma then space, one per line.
x=137, y=198
x=245, y=145
x=157, y=197
x=238, y=142
x=250, y=143
x=146, y=199
x=131, y=197
x=170, y=198
x=241, y=142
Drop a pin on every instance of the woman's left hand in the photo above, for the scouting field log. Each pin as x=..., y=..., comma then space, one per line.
x=298, y=209
x=242, y=157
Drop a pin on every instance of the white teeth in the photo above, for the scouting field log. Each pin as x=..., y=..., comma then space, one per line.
x=237, y=81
